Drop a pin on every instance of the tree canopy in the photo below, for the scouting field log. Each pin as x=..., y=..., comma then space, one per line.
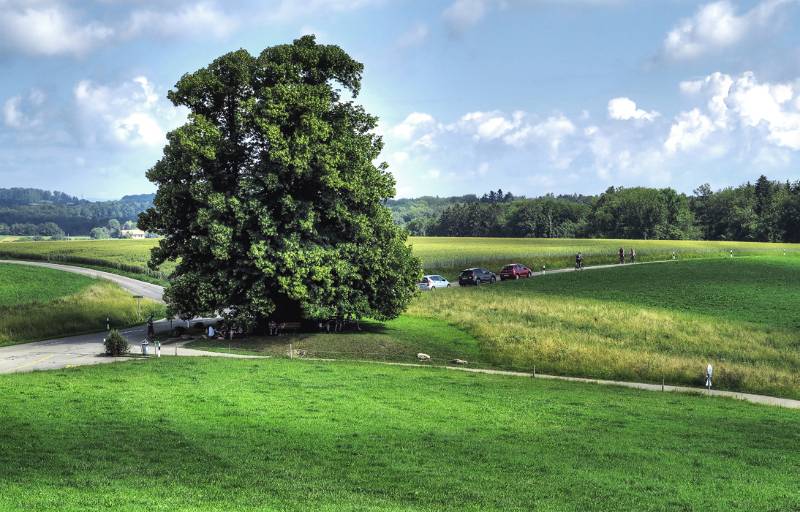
x=268, y=197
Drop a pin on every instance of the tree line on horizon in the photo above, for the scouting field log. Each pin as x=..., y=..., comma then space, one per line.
x=765, y=211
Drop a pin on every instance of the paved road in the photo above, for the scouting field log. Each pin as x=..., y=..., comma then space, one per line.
x=86, y=349
x=136, y=287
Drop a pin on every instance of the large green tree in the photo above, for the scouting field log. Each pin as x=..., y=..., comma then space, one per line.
x=268, y=197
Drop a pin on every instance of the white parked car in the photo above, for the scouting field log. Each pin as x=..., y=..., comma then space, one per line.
x=433, y=282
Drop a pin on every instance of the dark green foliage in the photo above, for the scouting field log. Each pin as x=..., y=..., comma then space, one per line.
x=268, y=196
x=115, y=344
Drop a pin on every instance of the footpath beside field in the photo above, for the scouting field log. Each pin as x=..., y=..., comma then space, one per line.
x=86, y=349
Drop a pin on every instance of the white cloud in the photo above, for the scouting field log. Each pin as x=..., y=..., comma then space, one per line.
x=11, y=113
x=41, y=28
x=624, y=109
x=200, y=19
x=415, y=36
x=293, y=9
x=128, y=114
x=744, y=102
x=717, y=25
x=23, y=113
x=688, y=131
x=463, y=14
x=414, y=123
x=489, y=125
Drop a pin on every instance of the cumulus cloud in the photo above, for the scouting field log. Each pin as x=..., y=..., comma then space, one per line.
x=744, y=102
x=200, y=19
x=41, y=28
x=128, y=114
x=718, y=25
x=688, y=131
x=21, y=112
x=489, y=125
x=293, y=9
x=413, y=124
x=624, y=109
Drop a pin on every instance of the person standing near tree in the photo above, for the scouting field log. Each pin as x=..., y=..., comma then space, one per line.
x=621, y=255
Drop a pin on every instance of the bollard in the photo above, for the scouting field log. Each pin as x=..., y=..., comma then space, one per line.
x=144, y=347
x=158, y=348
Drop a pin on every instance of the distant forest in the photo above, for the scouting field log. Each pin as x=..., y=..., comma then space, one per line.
x=762, y=211
x=31, y=212
x=766, y=210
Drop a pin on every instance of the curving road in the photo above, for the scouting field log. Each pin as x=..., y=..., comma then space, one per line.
x=136, y=287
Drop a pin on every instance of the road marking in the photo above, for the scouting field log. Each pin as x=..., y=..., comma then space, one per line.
x=36, y=361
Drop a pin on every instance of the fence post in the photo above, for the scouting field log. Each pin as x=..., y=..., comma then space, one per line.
x=291, y=352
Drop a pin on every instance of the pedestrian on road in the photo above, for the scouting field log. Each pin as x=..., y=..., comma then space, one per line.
x=621, y=255
x=633, y=255
x=709, y=373
x=151, y=331
x=211, y=332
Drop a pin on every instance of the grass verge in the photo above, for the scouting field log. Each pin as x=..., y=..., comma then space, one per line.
x=39, y=303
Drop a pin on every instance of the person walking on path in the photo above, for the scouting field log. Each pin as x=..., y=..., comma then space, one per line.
x=633, y=255
x=621, y=255
x=151, y=331
x=578, y=262
x=709, y=373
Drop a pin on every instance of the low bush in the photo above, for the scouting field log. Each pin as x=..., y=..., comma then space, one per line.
x=115, y=344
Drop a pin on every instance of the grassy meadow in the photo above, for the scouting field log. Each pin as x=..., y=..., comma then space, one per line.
x=38, y=303
x=195, y=433
x=643, y=323
x=446, y=256
x=635, y=323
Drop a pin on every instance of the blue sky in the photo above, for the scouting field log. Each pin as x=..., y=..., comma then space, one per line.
x=531, y=96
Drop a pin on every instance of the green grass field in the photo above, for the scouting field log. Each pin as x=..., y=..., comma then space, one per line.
x=38, y=303
x=449, y=255
x=645, y=322
x=200, y=434
x=439, y=255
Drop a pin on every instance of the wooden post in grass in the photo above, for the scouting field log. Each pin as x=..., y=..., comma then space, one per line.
x=534, y=371
x=291, y=352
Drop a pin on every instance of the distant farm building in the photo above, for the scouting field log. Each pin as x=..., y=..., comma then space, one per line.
x=132, y=233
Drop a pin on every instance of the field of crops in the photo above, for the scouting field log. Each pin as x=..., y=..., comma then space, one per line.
x=449, y=255
x=38, y=303
x=196, y=433
x=439, y=255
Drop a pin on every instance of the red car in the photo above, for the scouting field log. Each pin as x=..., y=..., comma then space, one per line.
x=515, y=271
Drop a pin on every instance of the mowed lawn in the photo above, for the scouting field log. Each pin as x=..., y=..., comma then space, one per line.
x=642, y=323
x=202, y=434
x=38, y=303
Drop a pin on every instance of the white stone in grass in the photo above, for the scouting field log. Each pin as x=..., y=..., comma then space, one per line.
x=423, y=357
x=458, y=361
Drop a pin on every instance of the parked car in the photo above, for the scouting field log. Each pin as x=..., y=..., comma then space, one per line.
x=515, y=271
x=433, y=282
x=476, y=276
